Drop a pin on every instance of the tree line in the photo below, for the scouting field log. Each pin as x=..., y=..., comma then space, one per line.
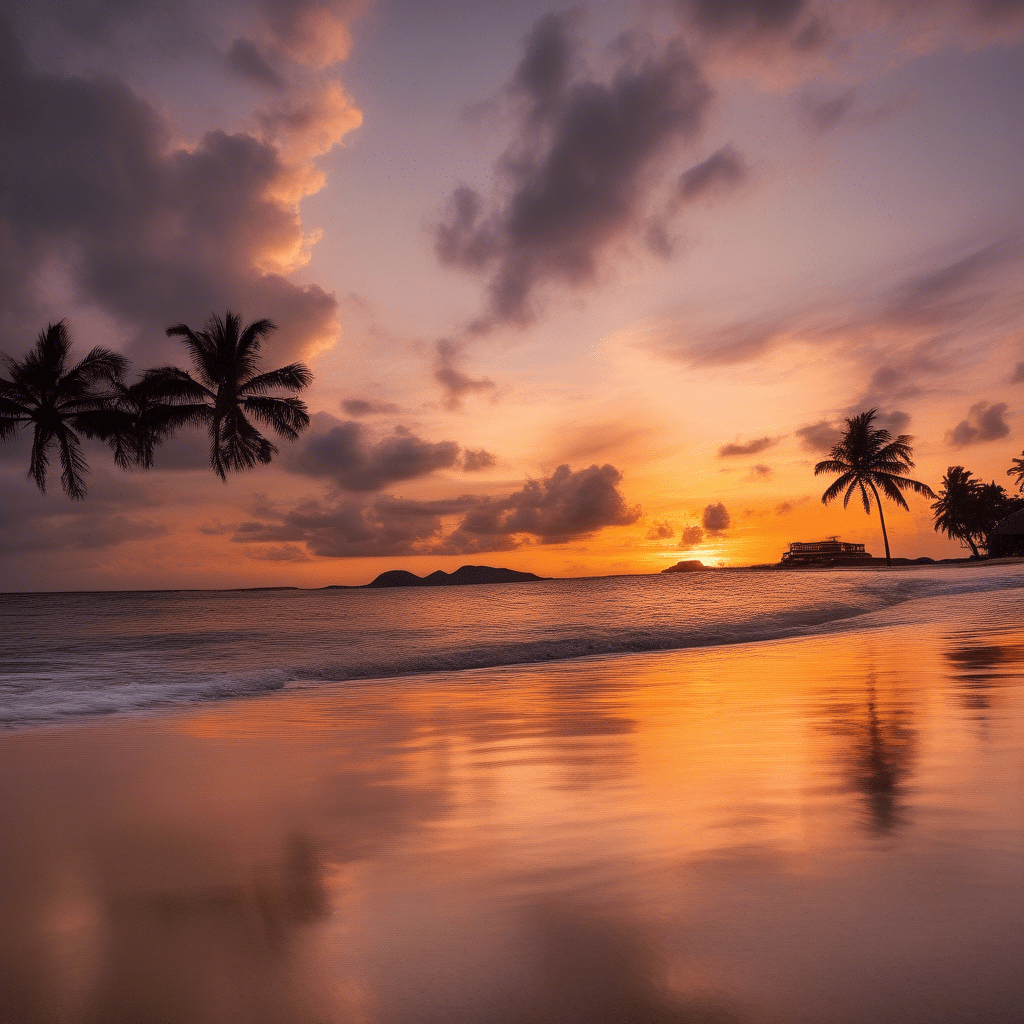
x=61, y=401
x=867, y=460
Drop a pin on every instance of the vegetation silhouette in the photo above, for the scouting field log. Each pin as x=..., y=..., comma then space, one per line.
x=968, y=510
x=869, y=458
x=59, y=400
x=228, y=389
x=1017, y=470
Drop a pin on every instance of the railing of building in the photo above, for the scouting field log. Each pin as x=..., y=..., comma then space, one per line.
x=830, y=546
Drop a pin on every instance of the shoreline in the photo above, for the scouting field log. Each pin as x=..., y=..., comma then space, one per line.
x=947, y=563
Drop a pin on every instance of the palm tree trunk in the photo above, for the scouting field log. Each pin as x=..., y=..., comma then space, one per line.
x=885, y=536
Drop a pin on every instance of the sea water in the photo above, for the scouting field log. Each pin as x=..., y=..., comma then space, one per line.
x=68, y=655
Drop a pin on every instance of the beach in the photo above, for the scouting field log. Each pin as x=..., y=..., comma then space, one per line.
x=817, y=827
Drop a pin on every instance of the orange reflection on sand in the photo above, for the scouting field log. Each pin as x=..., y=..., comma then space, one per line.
x=806, y=829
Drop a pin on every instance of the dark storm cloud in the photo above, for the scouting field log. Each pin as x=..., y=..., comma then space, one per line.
x=984, y=422
x=151, y=234
x=716, y=519
x=340, y=451
x=721, y=172
x=564, y=506
x=759, y=444
x=364, y=407
x=456, y=383
x=245, y=60
x=577, y=175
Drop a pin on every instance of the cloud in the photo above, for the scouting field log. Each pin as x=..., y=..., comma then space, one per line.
x=575, y=180
x=690, y=537
x=760, y=471
x=151, y=232
x=661, y=530
x=246, y=61
x=340, y=451
x=716, y=519
x=118, y=511
x=455, y=382
x=565, y=506
x=784, y=39
x=721, y=172
x=902, y=333
x=364, y=407
x=1018, y=374
x=754, y=447
x=475, y=460
x=825, y=114
x=984, y=422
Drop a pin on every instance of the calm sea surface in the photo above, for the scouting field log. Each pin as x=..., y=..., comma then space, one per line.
x=63, y=656
x=812, y=813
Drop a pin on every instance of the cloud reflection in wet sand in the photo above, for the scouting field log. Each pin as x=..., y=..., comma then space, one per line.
x=664, y=838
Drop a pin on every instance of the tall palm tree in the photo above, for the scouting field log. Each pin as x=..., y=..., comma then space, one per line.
x=58, y=400
x=956, y=511
x=227, y=390
x=868, y=458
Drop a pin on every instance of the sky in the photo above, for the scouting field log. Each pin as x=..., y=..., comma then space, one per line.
x=585, y=290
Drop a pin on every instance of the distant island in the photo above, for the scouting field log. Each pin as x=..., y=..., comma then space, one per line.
x=690, y=565
x=465, y=575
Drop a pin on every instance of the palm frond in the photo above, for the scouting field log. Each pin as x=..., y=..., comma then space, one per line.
x=72, y=463
x=39, y=459
x=832, y=466
x=835, y=488
x=287, y=416
x=294, y=377
x=890, y=488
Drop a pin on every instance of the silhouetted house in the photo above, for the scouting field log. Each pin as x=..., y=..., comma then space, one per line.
x=831, y=551
x=1007, y=536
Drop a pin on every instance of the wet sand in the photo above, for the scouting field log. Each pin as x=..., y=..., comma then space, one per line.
x=822, y=829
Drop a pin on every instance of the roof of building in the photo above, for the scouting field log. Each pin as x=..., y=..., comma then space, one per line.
x=1012, y=524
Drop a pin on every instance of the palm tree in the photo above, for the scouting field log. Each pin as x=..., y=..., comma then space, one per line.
x=227, y=389
x=956, y=511
x=59, y=401
x=868, y=458
x=1017, y=470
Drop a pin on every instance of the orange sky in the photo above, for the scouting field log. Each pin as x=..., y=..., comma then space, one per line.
x=515, y=240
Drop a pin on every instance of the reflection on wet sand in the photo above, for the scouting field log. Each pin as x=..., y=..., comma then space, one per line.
x=688, y=837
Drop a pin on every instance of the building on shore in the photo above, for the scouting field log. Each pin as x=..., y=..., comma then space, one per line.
x=1007, y=536
x=831, y=551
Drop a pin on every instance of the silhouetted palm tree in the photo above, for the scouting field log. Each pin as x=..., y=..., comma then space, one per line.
x=956, y=511
x=227, y=390
x=59, y=401
x=868, y=458
x=1017, y=470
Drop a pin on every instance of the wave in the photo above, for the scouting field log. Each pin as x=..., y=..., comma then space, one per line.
x=62, y=693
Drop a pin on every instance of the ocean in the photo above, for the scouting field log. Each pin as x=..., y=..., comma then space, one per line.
x=727, y=798
x=66, y=656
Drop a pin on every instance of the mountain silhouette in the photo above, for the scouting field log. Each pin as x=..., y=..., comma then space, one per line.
x=463, y=576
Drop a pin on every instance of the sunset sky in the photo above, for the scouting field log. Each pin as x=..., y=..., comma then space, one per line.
x=585, y=290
